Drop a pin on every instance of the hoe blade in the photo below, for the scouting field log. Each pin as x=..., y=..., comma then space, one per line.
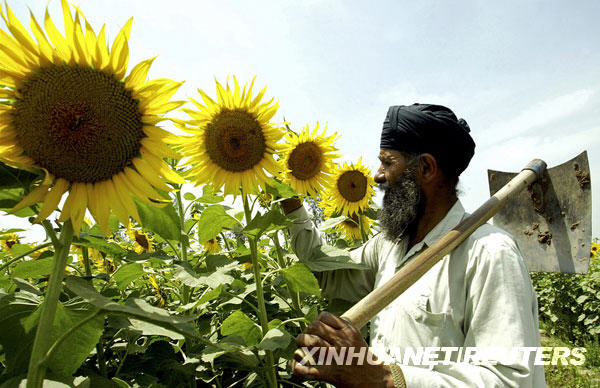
x=552, y=219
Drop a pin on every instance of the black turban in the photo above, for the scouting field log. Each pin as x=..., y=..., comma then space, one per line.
x=433, y=129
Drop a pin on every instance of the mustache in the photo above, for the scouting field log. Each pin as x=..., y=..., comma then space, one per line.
x=385, y=186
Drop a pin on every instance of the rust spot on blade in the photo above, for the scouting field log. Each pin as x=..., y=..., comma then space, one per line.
x=535, y=226
x=575, y=225
x=583, y=177
x=545, y=238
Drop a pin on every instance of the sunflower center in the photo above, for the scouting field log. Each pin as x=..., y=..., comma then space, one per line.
x=142, y=240
x=352, y=185
x=234, y=140
x=80, y=124
x=305, y=160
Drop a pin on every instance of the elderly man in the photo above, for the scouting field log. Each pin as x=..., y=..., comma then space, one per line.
x=479, y=296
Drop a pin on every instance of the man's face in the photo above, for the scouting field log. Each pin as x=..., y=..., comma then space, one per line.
x=403, y=201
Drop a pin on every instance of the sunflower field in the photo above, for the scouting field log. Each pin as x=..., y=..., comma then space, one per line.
x=167, y=261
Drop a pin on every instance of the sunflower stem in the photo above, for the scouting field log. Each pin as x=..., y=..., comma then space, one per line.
x=363, y=234
x=85, y=253
x=270, y=372
x=187, y=291
x=295, y=296
x=41, y=344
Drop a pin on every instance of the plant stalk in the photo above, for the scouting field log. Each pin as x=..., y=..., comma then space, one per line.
x=270, y=372
x=41, y=344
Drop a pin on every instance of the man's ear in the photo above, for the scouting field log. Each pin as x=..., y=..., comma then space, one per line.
x=428, y=168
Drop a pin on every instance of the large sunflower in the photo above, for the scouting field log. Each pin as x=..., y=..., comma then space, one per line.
x=351, y=188
x=308, y=160
x=233, y=139
x=69, y=110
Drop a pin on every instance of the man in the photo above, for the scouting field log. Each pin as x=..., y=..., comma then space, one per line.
x=479, y=296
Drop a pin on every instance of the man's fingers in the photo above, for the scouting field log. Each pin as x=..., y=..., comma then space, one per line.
x=311, y=341
x=333, y=321
x=309, y=372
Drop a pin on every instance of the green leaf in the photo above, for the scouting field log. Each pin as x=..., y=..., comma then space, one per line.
x=328, y=258
x=14, y=178
x=208, y=196
x=280, y=189
x=299, y=278
x=241, y=325
x=582, y=298
x=189, y=196
x=100, y=244
x=212, y=221
x=272, y=220
x=186, y=274
x=211, y=295
x=19, y=315
x=9, y=198
x=332, y=222
x=147, y=329
x=33, y=268
x=127, y=273
x=135, y=308
x=276, y=338
x=163, y=221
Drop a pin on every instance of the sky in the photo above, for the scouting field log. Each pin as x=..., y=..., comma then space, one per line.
x=525, y=75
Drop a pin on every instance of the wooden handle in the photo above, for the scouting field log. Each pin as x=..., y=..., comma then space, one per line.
x=363, y=311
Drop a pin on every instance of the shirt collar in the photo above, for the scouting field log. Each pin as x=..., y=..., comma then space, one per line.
x=450, y=220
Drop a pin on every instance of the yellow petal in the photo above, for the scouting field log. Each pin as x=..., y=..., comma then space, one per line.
x=44, y=45
x=141, y=187
x=19, y=32
x=60, y=45
x=103, y=207
x=52, y=199
x=159, y=148
x=91, y=200
x=79, y=206
x=151, y=176
x=158, y=165
x=125, y=197
x=138, y=74
x=36, y=195
x=116, y=203
x=102, y=57
x=68, y=23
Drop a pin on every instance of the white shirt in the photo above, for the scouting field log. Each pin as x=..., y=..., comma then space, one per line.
x=480, y=295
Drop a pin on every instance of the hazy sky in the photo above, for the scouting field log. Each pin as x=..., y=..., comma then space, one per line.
x=524, y=74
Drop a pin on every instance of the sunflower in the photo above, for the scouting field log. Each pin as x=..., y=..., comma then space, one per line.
x=595, y=249
x=68, y=110
x=8, y=240
x=308, y=160
x=212, y=246
x=351, y=188
x=233, y=140
x=351, y=226
x=160, y=295
x=142, y=242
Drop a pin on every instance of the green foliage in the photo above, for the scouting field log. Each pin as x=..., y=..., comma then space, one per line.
x=570, y=303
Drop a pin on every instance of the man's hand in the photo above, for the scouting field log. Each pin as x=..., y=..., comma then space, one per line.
x=326, y=339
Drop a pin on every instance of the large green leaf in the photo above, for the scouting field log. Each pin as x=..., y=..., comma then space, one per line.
x=186, y=274
x=135, y=308
x=299, y=278
x=208, y=196
x=276, y=338
x=19, y=315
x=33, y=268
x=100, y=244
x=332, y=222
x=271, y=220
x=241, y=325
x=328, y=258
x=163, y=221
x=280, y=189
x=127, y=273
x=212, y=221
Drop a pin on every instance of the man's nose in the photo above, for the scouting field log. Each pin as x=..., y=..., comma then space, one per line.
x=379, y=176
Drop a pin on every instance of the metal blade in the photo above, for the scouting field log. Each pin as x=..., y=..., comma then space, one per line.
x=552, y=219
